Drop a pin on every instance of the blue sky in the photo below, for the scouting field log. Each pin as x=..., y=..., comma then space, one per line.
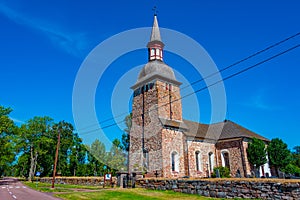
x=43, y=44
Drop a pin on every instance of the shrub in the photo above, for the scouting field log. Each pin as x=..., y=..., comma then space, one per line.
x=224, y=172
x=291, y=169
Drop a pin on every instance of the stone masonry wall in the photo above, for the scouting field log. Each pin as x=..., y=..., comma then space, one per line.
x=150, y=104
x=247, y=165
x=172, y=141
x=94, y=181
x=204, y=149
x=169, y=98
x=144, y=108
x=236, y=159
x=243, y=188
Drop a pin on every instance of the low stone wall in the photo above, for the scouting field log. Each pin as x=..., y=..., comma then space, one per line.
x=243, y=188
x=94, y=181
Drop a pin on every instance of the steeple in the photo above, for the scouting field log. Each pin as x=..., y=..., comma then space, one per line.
x=155, y=46
x=155, y=34
x=156, y=68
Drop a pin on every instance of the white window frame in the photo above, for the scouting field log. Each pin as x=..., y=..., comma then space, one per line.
x=176, y=161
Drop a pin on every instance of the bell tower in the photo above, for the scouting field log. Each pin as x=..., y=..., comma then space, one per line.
x=156, y=115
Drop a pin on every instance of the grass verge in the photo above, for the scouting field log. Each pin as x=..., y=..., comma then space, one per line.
x=129, y=194
x=46, y=187
x=81, y=192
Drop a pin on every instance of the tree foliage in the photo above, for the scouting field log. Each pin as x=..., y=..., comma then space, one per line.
x=34, y=140
x=7, y=131
x=31, y=148
x=116, y=157
x=257, y=152
x=279, y=155
x=125, y=135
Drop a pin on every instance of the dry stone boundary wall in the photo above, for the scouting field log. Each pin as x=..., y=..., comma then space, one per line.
x=91, y=181
x=264, y=189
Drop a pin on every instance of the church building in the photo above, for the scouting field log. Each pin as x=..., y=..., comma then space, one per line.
x=163, y=144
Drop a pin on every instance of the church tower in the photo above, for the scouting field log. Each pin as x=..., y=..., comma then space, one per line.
x=156, y=136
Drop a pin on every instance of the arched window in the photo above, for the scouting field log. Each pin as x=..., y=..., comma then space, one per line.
x=175, y=161
x=225, y=159
x=198, y=161
x=211, y=161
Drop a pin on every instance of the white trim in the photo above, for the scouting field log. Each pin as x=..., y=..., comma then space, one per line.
x=223, y=158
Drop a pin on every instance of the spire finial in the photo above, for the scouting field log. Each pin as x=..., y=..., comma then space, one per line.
x=155, y=11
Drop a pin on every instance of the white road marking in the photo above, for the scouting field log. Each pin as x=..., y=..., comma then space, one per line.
x=24, y=187
x=11, y=187
x=14, y=196
x=18, y=187
x=10, y=192
x=3, y=187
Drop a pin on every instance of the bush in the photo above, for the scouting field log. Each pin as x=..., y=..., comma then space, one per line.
x=291, y=169
x=224, y=172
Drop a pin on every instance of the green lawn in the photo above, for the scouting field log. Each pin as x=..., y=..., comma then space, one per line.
x=78, y=192
x=46, y=187
x=129, y=194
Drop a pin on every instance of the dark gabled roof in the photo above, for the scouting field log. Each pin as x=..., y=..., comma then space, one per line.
x=173, y=124
x=219, y=131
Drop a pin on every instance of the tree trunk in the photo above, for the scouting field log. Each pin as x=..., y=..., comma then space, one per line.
x=257, y=172
x=277, y=171
x=33, y=162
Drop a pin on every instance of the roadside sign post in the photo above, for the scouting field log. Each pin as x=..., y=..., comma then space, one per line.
x=37, y=179
x=107, y=177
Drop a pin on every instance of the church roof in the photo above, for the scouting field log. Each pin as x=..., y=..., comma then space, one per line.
x=219, y=131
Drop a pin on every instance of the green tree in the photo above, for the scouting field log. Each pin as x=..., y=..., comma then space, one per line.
x=256, y=153
x=116, y=159
x=97, y=158
x=7, y=133
x=296, y=156
x=35, y=140
x=296, y=150
x=125, y=135
x=77, y=157
x=294, y=166
x=66, y=142
x=22, y=165
x=279, y=155
x=291, y=169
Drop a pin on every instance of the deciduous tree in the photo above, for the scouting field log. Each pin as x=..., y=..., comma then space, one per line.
x=7, y=133
x=256, y=153
x=279, y=155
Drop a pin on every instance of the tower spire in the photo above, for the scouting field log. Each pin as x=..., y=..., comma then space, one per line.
x=155, y=46
x=155, y=34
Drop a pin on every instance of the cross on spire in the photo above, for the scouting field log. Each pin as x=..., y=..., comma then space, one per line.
x=155, y=11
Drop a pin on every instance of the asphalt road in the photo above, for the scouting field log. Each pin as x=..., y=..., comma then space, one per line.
x=12, y=189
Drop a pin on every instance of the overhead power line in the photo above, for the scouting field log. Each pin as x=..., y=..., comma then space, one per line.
x=202, y=79
x=206, y=87
x=189, y=85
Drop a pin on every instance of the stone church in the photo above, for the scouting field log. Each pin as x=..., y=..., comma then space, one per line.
x=163, y=144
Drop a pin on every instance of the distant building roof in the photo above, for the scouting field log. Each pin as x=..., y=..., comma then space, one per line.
x=219, y=131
